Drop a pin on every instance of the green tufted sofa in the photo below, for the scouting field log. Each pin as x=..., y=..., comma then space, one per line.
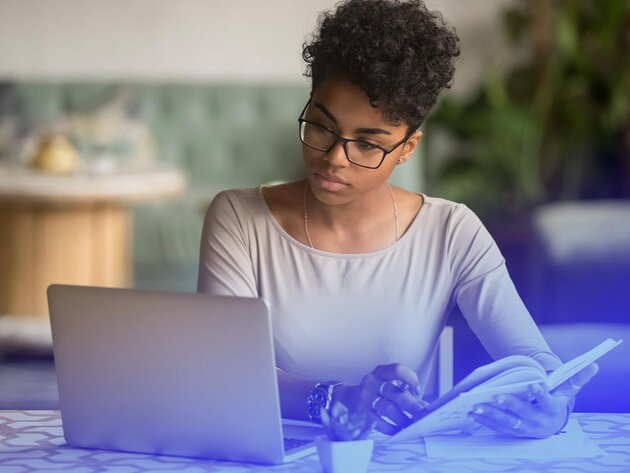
x=221, y=135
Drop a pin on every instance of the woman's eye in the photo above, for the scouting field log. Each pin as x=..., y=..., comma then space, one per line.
x=321, y=125
x=365, y=146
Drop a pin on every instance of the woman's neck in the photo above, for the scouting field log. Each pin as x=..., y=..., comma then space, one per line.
x=367, y=221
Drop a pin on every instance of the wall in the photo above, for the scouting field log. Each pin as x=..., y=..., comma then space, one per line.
x=199, y=40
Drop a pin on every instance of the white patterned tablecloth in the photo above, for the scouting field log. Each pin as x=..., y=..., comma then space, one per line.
x=32, y=441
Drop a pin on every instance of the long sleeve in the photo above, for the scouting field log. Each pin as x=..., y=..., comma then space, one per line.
x=225, y=266
x=486, y=294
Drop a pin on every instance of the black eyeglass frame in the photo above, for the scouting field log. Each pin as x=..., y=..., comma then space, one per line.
x=344, y=141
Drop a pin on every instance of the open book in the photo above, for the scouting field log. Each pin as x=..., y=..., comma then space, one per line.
x=509, y=375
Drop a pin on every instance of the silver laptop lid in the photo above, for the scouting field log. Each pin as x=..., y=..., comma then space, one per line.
x=166, y=373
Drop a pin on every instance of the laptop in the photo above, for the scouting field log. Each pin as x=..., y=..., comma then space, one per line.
x=170, y=373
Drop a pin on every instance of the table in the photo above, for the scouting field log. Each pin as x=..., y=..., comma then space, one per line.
x=33, y=441
x=72, y=229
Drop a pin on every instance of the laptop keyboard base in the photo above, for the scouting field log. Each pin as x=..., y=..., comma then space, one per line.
x=292, y=444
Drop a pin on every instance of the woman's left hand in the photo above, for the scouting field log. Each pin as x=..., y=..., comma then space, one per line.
x=540, y=416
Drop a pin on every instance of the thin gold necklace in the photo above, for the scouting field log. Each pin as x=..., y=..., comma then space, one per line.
x=308, y=237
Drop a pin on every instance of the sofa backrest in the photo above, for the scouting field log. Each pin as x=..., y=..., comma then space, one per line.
x=222, y=135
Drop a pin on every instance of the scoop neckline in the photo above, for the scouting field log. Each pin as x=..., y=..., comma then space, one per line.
x=411, y=229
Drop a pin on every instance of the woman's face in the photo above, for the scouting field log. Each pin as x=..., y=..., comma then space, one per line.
x=345, y=109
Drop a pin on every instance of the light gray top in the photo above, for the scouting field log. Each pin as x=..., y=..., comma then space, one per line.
x=338, y=316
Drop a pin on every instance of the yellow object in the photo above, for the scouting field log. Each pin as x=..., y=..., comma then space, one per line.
x=56, y=155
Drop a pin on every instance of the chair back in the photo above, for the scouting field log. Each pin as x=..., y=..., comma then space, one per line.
x=440, y=377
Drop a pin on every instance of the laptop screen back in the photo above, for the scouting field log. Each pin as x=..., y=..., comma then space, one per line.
x=166, y=373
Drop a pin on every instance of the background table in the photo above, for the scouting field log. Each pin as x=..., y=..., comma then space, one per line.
x=72, y=229
x=33, y=441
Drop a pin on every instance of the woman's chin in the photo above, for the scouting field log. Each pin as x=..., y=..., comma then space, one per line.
x=320, y=185
x=328, y=197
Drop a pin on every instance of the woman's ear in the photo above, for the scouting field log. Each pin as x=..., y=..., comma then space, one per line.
x=409, y=147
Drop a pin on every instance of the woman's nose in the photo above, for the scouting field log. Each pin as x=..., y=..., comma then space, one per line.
x=336, y=155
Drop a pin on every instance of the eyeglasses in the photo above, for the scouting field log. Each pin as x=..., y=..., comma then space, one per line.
x=367, y=155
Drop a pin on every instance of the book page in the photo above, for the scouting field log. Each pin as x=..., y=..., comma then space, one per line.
x=516, y=375
x=511, y=375
x=450, y=412
x=577, y=364
x=485, y=373
x=453, y=416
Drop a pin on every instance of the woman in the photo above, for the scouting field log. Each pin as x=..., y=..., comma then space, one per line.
x=360, y=275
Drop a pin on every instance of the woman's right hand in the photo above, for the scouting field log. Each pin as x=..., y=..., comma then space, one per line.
x=388, y=391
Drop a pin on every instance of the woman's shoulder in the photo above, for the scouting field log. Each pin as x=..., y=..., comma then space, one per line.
x=236, y=205
x=250, y=203
x=230, y=195
x=236, y=198
x=446, y=211
x=278, y=194
x=441, y=204
x=454, y=223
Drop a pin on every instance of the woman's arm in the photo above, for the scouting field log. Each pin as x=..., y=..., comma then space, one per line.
x=294, y=391
x=495, y=312
x=226, y=268
x=225, y=265
x=485, y=293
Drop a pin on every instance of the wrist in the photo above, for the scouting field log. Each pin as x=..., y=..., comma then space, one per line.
x=341, y=393
x=320, y=397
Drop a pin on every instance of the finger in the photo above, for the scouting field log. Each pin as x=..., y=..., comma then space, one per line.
x=509, y=422
x=406, y=387
x=398, y=372
x=516, y=405
x=498, y=426
x=404, y=400
x=385, y=427
x=584, y=376
x=370, y=395
x=372, y=388
x=538, y=413
x=369, y=390
x=386, y=408
x=573, y=385
x=543, y=398
x=382, y=425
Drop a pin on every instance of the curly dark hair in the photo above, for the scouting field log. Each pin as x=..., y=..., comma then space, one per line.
x=400, y=53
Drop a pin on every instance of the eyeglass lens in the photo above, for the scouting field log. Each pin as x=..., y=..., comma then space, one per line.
x=358, y=152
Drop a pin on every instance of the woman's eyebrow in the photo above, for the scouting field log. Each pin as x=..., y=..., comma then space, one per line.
x=370, y=131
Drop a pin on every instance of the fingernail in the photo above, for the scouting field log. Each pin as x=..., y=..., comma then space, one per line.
x=478, y=410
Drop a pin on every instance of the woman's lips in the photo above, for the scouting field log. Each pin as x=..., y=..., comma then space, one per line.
x=329, y=184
